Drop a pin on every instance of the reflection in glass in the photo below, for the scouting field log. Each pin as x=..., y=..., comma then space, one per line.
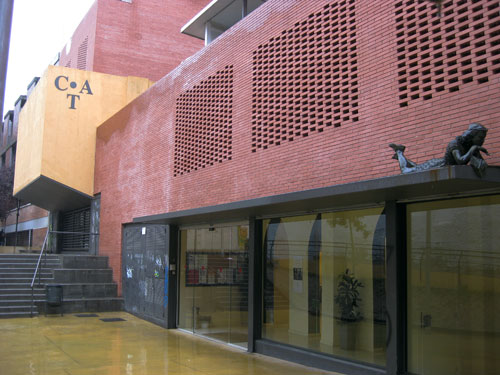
x=304, y=258
x=454, y=286
x=213, y=298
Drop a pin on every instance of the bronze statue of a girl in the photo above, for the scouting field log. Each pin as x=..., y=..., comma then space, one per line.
x=465, y=148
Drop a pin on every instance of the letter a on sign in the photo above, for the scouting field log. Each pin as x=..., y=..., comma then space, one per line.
x=86, y=87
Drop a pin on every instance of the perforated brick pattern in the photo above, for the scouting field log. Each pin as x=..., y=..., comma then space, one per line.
x=305, y=80
x=81, y=62
x=203, y=123
x=439, y=55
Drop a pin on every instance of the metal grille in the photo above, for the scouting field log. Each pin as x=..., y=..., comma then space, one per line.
x=144, y=261
x=441, y=55
x=305, y=80
x=77, y=223
x=203, y=123
x=81, y=62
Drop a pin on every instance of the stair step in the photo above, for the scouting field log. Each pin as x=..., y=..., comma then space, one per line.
x=26, y=280
x=20, y=297
x=25, y=275
x=31, y=265
x=18, y=302
x=17, y=285
x=23, y=270
x=17, y=308
x=6, y=288
x=28, y=261
x=17, y=263
x=87, y=276
x=84, y=262
x=92, y=299
x=72, y=305
x=6, y=315
x=86, y=290
x=87, y=284
x=28, y=257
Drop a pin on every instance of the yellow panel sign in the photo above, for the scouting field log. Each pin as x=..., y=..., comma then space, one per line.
x=57, y=126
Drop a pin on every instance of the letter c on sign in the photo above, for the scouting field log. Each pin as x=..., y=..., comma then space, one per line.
x=57, y=83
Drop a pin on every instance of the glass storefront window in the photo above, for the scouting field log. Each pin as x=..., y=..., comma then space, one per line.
x=213, y=299
x=305, y=260
x=454, y=286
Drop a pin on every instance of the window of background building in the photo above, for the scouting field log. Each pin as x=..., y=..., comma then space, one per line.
x=454, y=286
x=305, y=259
x=13, y=156
x=3, y=136
x=10, y=127
x=228, y=17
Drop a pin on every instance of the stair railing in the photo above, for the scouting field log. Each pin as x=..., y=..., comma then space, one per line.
x=42, y=252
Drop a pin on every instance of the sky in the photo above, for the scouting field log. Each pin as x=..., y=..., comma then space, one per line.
x=40, y=29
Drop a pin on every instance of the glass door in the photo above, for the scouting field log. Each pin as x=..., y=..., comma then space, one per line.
x=211, y=288
x=213, y=298
x=454, y=287
x=324, y=283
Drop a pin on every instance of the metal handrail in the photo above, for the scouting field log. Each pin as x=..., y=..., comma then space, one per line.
x=36, y=270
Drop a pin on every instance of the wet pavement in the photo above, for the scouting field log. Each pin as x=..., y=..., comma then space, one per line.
x=72, y=345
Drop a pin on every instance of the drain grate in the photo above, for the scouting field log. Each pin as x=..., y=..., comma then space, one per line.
x=107, y=320
x=86, y=315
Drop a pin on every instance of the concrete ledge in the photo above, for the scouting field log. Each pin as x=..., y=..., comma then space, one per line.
x=81, y=276
x=450, y=181
x=84, y=262
x=89, y=291
x=84, y=305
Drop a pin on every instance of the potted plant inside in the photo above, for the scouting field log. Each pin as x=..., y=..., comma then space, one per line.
x=347, y=298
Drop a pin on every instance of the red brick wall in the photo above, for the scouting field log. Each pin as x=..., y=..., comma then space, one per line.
x=38, y=237
x=136, y=149
x=26, y=213
x=80, y=54
x=143, y=38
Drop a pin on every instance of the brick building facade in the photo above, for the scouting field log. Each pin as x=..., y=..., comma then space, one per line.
x=284, y=119
x=242, y=194
x=279, y=129
x=138, y=38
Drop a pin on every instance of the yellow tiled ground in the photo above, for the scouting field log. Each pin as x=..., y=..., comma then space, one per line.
x=81, y=346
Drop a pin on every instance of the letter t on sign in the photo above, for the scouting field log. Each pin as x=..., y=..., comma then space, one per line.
x=72, y=106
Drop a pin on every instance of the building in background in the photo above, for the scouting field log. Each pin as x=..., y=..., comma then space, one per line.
x=121, y=38
x=132, y=38
x=24, y=224
x=249, y=187
x=217, y=17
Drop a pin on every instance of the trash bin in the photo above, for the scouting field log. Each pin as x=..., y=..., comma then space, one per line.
x=53, y=297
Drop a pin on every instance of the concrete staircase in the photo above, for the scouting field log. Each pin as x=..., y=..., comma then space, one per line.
x=16, y=273
x=87, y=284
